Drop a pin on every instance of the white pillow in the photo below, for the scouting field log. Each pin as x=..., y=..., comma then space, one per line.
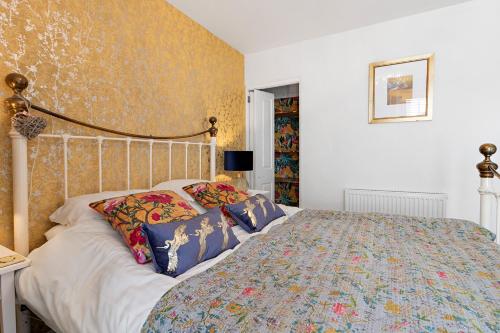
x=176, y=185
x=290, y=210
x=54, y=231
x=76, y=210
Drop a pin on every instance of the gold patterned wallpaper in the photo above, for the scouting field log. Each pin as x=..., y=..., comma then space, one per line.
x=137, y=65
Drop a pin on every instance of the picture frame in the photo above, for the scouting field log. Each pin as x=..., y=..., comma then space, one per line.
x=401, y=90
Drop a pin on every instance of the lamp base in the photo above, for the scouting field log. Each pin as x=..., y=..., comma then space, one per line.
x=240, y=182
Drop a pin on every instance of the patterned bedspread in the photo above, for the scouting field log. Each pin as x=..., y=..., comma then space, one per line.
x=325, y=271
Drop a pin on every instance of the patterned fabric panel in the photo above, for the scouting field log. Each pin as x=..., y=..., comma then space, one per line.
x=216, y=194
x=286, y=193
x=255, y=213
x=149, y=207
x=178, y=246
x=284, y=105
x=286, y=134
x=324, y=271
x=287, y=166
x=108, y=207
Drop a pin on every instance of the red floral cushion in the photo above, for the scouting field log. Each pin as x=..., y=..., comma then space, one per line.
x=216, y=194
x=150, y=207
x=108, y=207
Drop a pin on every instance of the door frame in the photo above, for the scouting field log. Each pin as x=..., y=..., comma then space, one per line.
x=272, y=84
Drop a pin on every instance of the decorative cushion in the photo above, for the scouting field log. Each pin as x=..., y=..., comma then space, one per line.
x=180, y=245
x=149, y=207
x=176, y=185
x=216, y=194
x=255, y=213
x=108, y=207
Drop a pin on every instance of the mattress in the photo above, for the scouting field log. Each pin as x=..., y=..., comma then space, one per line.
x=84, y=279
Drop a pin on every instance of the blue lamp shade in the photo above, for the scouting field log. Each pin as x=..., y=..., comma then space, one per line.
x=238, y=160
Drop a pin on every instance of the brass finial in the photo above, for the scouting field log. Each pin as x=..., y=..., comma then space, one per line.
x=16, y=103
x=213, y=130
x=487, y=168
x=16, y=82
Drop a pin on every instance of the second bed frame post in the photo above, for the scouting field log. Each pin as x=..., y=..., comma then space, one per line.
x=487, y=169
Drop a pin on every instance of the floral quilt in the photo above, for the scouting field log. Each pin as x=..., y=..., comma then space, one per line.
x=325, y=271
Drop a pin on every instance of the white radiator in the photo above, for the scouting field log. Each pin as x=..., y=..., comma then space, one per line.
x=396, y=202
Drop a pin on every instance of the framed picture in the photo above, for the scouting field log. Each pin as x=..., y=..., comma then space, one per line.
x=401, y=90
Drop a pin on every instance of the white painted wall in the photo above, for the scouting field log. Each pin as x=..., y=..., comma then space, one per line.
x=340, y=149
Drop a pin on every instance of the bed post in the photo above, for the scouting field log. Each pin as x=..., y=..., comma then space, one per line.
x=14, y=105
x=213, y=147
x=486, y=170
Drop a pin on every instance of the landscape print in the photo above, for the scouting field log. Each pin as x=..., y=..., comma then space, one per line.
x=399, y=89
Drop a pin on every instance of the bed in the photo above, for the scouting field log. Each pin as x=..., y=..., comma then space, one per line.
x=309, y=271
x=112, y=293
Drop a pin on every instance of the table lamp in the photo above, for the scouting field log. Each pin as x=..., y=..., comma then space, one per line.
x=239, y=160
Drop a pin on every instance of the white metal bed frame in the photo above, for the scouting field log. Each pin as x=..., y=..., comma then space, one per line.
x=18, y=104
x=100, y=140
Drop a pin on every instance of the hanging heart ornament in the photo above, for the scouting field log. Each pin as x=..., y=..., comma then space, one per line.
x=27, y=125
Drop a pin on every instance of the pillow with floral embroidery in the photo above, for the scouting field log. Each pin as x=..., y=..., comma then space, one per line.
x=155, y=207
x=216, y=194
x=108, y=207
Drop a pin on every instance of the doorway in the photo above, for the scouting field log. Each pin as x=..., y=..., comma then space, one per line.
x=274, y=121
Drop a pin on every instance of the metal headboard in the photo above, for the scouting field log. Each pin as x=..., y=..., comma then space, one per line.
x=18, y=105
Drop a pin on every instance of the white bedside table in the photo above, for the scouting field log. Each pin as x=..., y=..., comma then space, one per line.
x=7, y=291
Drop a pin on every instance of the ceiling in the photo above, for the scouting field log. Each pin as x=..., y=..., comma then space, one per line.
x=256, y=25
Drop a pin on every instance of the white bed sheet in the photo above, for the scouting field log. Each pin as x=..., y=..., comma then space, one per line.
x=85, y=280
